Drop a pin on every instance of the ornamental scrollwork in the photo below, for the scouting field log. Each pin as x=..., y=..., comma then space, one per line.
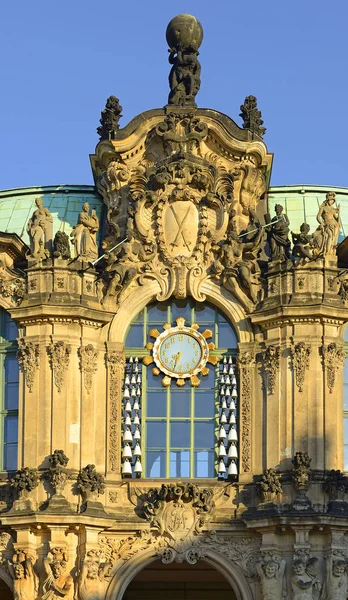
x=115, y=363
x=89, y=364
x=59, y=353
x=300, y=354
x=271, y=363
x=28, y=358
x=333, y=357
x=245, y=362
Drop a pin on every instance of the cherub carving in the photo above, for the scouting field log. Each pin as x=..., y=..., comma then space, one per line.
x=58, y=583
x=336, y=583
x=305, y=583
x=303, y=242
x=25, y=580
x=271, y=573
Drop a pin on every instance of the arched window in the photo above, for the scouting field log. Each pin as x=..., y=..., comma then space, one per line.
x=8, y=392
x=179, y=431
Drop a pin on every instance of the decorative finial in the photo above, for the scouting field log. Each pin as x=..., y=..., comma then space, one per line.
x=110, y=117
x=251, y=116
x=184, y=36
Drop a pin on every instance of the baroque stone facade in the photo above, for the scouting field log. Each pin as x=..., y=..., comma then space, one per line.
x=185, y=216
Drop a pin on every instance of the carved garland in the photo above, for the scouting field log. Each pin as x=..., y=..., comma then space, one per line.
x=271, y=361
x=59, y=353
x=300, y=362
x=116, y=364
x=89, y=364
x=333, y=361
x=245, y=363
x=28, y=358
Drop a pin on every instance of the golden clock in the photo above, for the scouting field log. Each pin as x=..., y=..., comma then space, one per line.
x=180, y=352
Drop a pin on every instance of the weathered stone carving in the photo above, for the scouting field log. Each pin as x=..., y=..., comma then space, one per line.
x=28, y=358
x=301, y=476
x=84, y=234
x=61, y=245
x=271, y=363
x=184, y=36
x=336, y=485
x=24, y=482
x=300, y=353
x=304, y=246
x=252, y=183
x=269, y=486
x=116, y=364
x=59, y=353
x=94, y=577
x=58, y=582
x=328, y=217
x=110, y=117
x=178, y=510
x=252, y=117
x=336, y=582
x=89, y=364
x=278, y=235
x=90, y=483
x=58, y=474
x=25, y=580
x=305, y=582
x=271, y=571
x=39, y=229
x=12, y=286
x=334, y=358
x=245, y=363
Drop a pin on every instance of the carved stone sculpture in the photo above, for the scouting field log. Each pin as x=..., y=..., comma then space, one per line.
x=25, y=580
x=58, y=582
x=252, y=118
x=94, y=577
x=12, y=286
x=336, y=485
x=278, y=235
x=328, y=217
x=305, y=582
x=184, y=36
x=271, y=572
x=84, y=234
x=334, y=358
x=59, y=353
x=28, y=358
x=336, y=581
x=24, y=482
x=39, y=229
x=90, y=483
x=89, y=364
x=304, y=246
x=269, y=487
x=245, y=363
x=300, y=353
x=301, y=476
x=110, y=117
x=271, y=363
x=58, y=474
x=61, y=245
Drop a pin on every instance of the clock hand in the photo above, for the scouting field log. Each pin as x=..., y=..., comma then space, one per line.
x=176, y=357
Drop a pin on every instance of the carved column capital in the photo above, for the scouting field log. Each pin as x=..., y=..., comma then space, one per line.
x=59, y=353
x=28, y=359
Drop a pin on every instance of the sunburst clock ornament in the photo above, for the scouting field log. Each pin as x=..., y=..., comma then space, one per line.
x=180, y=353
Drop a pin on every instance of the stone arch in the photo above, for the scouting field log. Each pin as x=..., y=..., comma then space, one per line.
x=230, y=571
x=142, y=296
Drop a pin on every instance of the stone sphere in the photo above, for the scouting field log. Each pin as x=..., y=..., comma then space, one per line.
x=184, y=31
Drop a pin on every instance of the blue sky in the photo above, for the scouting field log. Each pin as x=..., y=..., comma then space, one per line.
x=61, y=59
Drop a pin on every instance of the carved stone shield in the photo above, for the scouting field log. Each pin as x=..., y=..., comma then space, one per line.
x=179, y=519
x=180, y=227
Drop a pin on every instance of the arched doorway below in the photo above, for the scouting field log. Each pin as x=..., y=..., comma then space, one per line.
x=178, y=581
x=5, y=592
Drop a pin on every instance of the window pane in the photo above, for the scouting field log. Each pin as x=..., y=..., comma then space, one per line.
x=204, y=464
x=135, y=336
x=153, y=381
x=11, y=396
x=205, y=314
x=11, y=369
x=208, y=381
x=157, y=404
x=180, y=434
x=345, y=422
x=180, y=403
x=345, y=335
x=11, y=330
x=10, y=457
x=157, y=314
x=181, y=308
x=11, y=429
x=204, y=404
x=204, y=434
x=345, y=458
x=156, y=464
x=227, y=337
x=180, y=464
x=156, y=434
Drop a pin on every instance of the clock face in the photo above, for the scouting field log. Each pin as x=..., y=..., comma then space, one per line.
x=180, y=353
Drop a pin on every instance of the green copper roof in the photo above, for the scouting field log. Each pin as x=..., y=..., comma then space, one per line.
x=301, y=203
x=63, y=201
